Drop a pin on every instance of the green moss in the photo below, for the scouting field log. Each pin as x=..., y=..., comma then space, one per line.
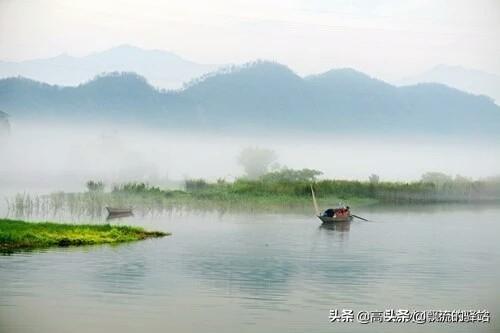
x=20, y=234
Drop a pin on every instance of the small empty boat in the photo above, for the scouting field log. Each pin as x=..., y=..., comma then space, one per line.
x=118, y=211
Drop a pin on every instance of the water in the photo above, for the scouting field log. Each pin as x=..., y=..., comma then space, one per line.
x=262, y=273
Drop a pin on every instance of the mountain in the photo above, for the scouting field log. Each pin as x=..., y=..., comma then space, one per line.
x=261, y=96
x=470, y=80
x=163, y=69
x=4, y=124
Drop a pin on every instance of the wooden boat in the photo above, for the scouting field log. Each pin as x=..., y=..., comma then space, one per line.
x=332, y=215
x=118, y=216
x=118, y=211
x=347, y=217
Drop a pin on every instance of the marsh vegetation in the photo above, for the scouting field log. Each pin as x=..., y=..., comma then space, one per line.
x=285, y=190
x=16, y=234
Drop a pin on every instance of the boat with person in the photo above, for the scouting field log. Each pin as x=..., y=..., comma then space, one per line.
x=341, y=213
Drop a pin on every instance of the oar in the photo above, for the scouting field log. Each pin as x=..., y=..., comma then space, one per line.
x=359, y=217
x=314, y=201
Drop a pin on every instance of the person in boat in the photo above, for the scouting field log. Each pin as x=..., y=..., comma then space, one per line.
x=330, y=212
x=335, y=212
x=343, y=211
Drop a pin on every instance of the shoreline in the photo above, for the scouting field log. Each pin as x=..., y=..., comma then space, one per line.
x=253, y=195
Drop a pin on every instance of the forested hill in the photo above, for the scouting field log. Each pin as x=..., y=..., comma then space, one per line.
x=260, y=96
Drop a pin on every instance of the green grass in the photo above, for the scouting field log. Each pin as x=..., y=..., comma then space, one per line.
x=228, y=196
x=27, y=235
x=298, y=192
x=263, y=195
x=348, y=190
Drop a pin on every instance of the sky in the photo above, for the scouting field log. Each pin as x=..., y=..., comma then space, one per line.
x=389, y=39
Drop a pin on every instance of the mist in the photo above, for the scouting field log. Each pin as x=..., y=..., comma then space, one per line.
x=62, y=157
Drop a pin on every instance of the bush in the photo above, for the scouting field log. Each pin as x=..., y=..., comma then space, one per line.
x=285, y=174
x=95, y=186
x=195, y=185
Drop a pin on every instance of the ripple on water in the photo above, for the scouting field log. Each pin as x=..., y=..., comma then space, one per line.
x=255, y=273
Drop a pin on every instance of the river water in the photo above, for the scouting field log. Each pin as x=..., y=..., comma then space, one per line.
x=243, y=272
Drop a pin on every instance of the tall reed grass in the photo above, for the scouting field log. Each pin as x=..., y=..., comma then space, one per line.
x=249, y=195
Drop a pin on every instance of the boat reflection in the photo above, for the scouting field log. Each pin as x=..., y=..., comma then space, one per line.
x=337, y=226
x=112, y=216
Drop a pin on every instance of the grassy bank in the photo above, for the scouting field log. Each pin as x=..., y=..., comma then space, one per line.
x=26, y=235
x=299, y=191
x=263, y=195
x=396, y=192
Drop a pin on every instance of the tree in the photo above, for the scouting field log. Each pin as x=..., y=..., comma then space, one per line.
x=285, y=174
x=437, y=178
x=461, y=179
x=195, y=184
x=374, y=179
x=256, y=161
x=94, y=186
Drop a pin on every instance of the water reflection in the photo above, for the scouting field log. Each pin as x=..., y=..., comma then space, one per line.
x=113, y=216
x=337, y=226
x=257, y=268
x=267, y=262
x=118, y=275
x=246, y=273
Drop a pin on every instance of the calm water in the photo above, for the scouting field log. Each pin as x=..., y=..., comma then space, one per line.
x=262, y=273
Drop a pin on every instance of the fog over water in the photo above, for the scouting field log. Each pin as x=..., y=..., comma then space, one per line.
x=43, y=157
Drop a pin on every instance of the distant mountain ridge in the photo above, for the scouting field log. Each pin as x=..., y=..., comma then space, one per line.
x=262, y=96
x=470, y=80
x=163, y=69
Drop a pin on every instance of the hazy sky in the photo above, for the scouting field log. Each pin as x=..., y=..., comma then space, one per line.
x=386, y=38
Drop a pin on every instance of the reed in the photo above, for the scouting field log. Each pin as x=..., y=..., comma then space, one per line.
x=265, y=195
